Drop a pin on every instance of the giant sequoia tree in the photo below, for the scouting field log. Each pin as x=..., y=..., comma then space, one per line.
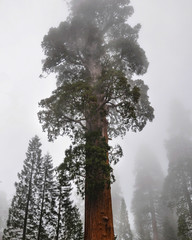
x=94, y=55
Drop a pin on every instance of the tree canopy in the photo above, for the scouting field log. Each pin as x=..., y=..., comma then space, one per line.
x=94, y=55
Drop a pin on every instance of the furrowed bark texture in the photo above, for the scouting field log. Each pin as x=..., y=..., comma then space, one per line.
x=98, y=216
x=98, y=209
x=98, y=205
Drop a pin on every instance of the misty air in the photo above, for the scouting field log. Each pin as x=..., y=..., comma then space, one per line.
x=95, y=116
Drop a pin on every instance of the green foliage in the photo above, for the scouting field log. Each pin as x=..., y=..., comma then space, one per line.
x=94, y=55
x=24, y=206
x=91, y=157
x=41, y=207
x=3, y=211
x=46, y=195
x=69, y=225
x=70, y=52
x=125, y=232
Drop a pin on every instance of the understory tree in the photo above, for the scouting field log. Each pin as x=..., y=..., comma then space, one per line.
x=146, y=197
x=124, y=232
x=3, y=211
x=122, y=228
x=94, y=55
x=41, y=207
x=116, y=200
x=22, y=220
x=46, y=200
x=68, y=223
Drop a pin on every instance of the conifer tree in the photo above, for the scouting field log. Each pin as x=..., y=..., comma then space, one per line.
x=168, y=216
x=47, y=197
x=116, y=199
x=179, y=179
x=145, y=203
x=3, y=212
x=21, y=222
x=69, y=225
x=94, y=54
x=125, y=232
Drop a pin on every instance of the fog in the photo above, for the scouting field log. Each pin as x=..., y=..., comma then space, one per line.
x=166, y=38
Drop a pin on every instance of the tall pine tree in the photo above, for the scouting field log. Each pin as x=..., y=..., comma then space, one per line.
x=69, y=225
x=47, y=200
x=94, y=54
x=21, y=222
x=41, y=208
x=125, y=232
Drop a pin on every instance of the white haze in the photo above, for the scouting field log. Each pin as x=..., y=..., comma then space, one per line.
x=166, y=38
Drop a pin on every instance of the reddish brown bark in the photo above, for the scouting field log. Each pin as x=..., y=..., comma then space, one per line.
x=98, y=210
x=98, y=216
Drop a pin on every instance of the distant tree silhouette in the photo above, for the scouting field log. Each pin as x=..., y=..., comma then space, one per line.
x=125, y=232
x=145, y=203
x=178, y=182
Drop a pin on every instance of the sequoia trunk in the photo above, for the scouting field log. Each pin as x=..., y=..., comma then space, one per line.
x=98, y=209
x=98, y=216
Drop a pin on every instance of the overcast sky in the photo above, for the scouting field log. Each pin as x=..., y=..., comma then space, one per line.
x=166, y=38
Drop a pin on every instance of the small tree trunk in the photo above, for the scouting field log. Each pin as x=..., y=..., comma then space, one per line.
x=59, y=216
x=27, y=204
x=98, y=210
x=42, y=208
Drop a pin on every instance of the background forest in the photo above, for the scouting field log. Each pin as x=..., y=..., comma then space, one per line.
x=165, y=211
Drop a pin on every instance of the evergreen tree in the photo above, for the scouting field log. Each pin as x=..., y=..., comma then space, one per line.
x=47, y=197
x=116, y=199
x=22, y=217
x=124, y=226
x=145, y=204
x=179, y=179
x=3, y=212
x=94, y=54
x=69, y=225
x=168, y=217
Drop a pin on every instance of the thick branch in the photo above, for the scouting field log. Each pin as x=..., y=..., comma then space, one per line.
x=75, y=121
